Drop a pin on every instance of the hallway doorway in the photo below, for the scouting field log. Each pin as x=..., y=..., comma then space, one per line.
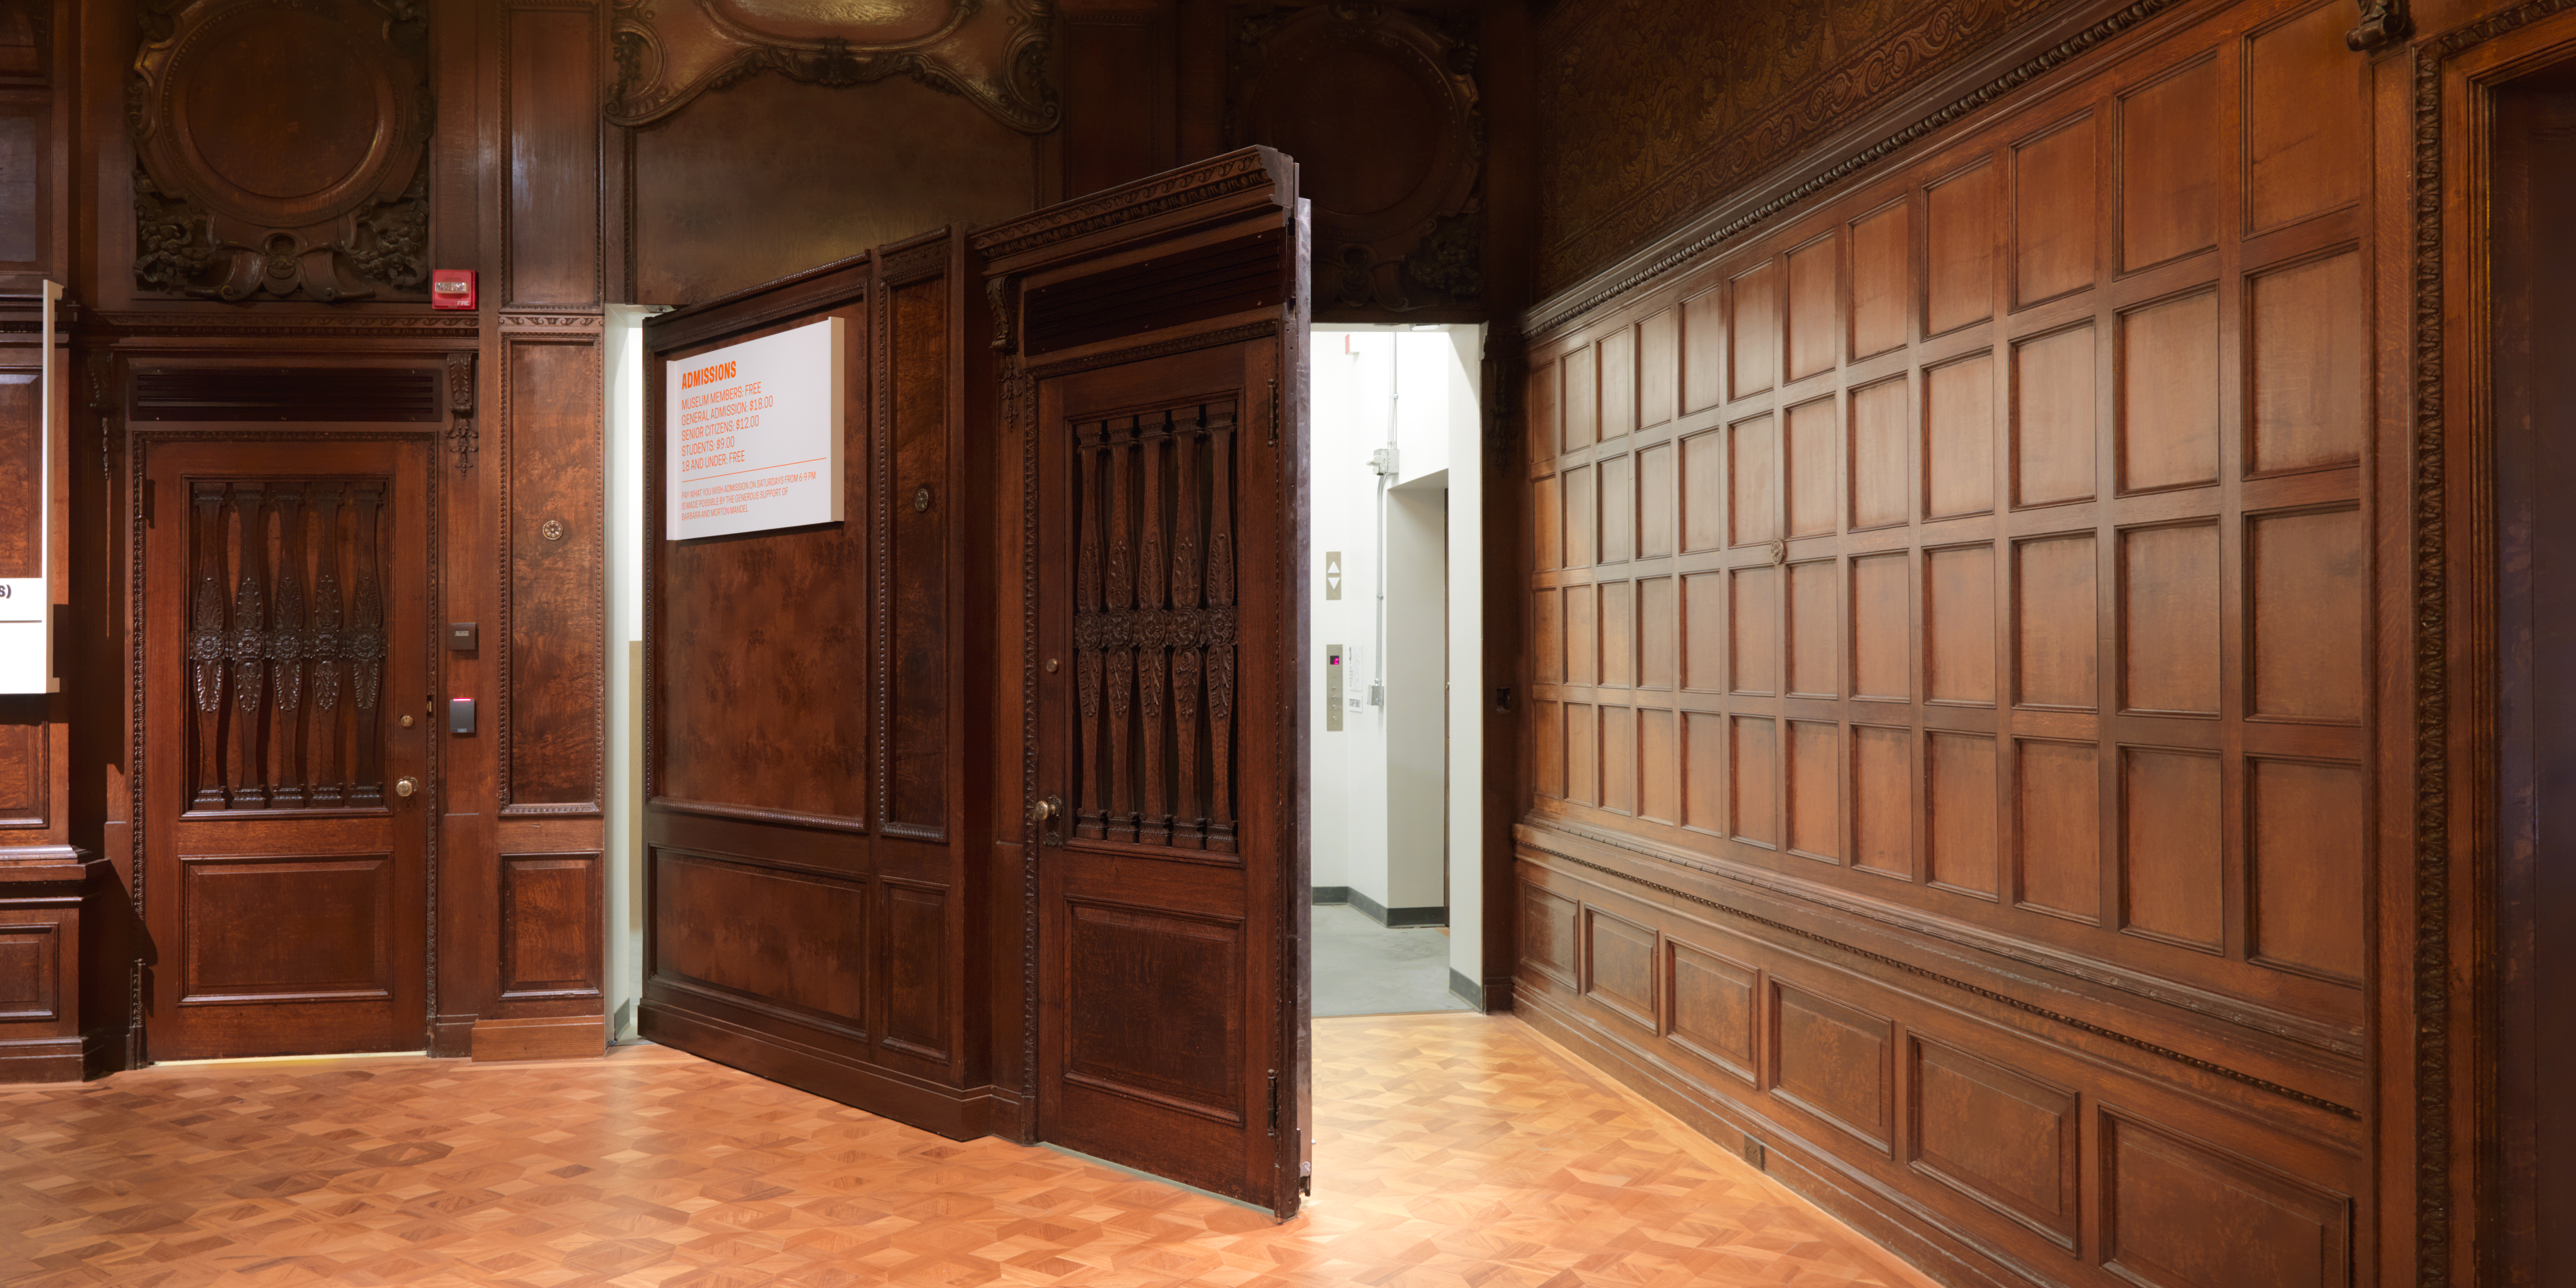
x=1394, y=763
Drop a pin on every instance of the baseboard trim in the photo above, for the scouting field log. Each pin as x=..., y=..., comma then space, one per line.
x=1886, y=1220
x=956, y=1114
x=1332, y=894
x=1466, y=990
x=1394, y=918
x=61, y=1059
x=570, y=1037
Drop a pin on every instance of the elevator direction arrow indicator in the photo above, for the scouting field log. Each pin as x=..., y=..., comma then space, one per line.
x=1332, y=574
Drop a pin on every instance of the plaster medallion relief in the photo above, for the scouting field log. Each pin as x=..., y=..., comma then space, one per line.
x=993, y=52
x=279, y=149
x=1379, y=106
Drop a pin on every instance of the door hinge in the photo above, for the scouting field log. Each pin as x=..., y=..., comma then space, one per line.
x=1274, y=1102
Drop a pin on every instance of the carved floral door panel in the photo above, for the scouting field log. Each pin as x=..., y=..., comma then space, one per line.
x=287, y=745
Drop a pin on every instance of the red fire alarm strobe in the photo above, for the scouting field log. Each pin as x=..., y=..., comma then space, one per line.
x=451, y=288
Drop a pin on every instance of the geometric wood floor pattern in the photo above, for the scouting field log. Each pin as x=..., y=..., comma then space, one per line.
x=1452, y=1151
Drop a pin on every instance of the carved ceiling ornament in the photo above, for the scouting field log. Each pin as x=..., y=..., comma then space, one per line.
x=992, y=52
x=1380, y=108
x=281, y=148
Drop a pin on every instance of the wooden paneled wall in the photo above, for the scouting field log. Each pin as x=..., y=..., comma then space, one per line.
x=816, y=849
x=1952, y=610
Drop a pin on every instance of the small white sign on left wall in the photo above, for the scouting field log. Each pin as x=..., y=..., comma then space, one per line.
x=752, y=434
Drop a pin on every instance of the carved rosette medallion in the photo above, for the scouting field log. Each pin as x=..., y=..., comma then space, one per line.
x=1379, y=106
x=280, y=149
x=993, y=52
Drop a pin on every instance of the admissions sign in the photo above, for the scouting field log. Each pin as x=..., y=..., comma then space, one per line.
x=753, y=435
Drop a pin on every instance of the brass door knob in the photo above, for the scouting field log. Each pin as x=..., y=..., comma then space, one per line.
x=406, y=785
x=1043, y=812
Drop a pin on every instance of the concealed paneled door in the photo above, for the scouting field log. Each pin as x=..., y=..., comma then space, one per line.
x=287, y=777
x=1166, y=414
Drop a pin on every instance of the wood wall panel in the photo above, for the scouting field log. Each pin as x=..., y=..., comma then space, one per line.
x=2008, y=1140
x=24, y=132
x=785, y=938
x=818, y=844
x=2052, y=418
x=2054, y=237
x=1963, y=218
x=551, y=925
x=2180, y=1212
x=555, y=128
x=917, y=704
x=553, y=723
x=2168, y=411
x=2299, y=161
x=31, y=973
x=2173, y=163
x=2310, y=366
x=1882, y=259
x=26, y=777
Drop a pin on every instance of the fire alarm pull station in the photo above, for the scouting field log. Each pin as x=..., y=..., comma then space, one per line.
x=451, y=288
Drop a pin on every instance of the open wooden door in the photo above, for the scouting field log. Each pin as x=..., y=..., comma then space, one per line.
x=1155, y=379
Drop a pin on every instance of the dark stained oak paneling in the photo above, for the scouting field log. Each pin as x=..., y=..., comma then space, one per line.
x=554, y=96
x=2053, y=231
x=788, y=939
x=2056, y=631
x=1882, y=280
x=1959, y=624
x=2303, y=133
x=1881, y=424
x=2169, y=862
x=1548, y=933
x=1619, y=966
x=2168, y=365
x=2306, y=580
x=1714, y=1006
x=2169, y=642
x=1963, y=216
x=1811, y=463
x=1959, y=809
x=1812, y=302
x=2310, y=366
x=916, y=969
x=2173, y=163
x=2052, y=418
x=917, y=708
x=1834, y=1061
x=1753, y=356
x=1958, y=438
x=553, y=719
x=2305, y=852
x=233, y=948
x=2009, y=1141
x=2182, y=1214
x=551, y=923
x=31, y=972
x=2057, y=790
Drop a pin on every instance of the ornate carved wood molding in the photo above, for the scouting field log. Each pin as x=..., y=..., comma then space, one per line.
x=2383, y=23
x=1687, y=245
x=1246, y=170
x=313, y=183
x=460, y=405
x=992, y=52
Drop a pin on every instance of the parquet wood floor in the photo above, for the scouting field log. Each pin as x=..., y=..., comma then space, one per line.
x=1452, y=1151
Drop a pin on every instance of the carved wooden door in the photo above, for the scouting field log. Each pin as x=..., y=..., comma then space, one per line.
x=287, y=746
x=1165, y=394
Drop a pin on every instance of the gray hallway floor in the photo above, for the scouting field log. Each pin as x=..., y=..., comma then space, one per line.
x=1363, y=968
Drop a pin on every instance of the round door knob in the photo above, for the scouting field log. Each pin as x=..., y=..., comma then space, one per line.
x=1043, y=811
x=406, y=785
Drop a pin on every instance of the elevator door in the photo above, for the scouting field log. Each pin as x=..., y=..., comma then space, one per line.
x=287, y=746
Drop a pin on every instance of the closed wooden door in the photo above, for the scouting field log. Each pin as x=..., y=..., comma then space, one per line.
x=1172, y=869
x=287, y=746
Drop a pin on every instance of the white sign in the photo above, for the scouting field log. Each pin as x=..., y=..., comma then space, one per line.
x=25, y=664
x=753, y=434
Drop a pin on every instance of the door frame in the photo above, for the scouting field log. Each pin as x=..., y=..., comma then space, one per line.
x=139, y=445
x=1108, y=229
